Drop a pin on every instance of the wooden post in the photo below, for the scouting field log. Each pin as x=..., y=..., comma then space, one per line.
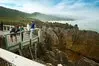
x=2, y=42
x=6, y=42
x=20, y=49
x=35, y=51
x=20, y=37
x=31, y=34
x=39, y=35
x=3, y=28
x=20, y=45
x=30, y=37
x=6, y=28
x=31, y=52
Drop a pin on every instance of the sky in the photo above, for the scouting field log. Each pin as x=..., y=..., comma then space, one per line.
x=86, y=11
x=74, y=8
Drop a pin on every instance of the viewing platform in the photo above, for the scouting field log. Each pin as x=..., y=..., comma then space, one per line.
x=30, y=40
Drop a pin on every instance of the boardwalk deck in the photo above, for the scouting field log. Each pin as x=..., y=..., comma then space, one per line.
x=17, y=60
x=19, y=43
x=30, y=41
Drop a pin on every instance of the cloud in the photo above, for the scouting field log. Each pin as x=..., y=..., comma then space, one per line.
x=85, y=11
x=35, y=7
x=29, y=6
x=80, y=9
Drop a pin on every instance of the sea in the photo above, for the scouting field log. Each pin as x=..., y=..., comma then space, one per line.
x=83, y=24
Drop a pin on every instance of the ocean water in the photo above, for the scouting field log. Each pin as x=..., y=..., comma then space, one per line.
x=92, y=25
x=86, y=25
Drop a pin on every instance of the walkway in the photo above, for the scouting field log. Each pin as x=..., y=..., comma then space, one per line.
x=17, y=60
x=28, y=38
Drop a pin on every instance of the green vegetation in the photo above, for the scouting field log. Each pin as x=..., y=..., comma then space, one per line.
x=10, y=16
x=5, y=12
x=15, y=17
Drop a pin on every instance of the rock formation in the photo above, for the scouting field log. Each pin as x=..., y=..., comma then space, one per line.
x=71, y=45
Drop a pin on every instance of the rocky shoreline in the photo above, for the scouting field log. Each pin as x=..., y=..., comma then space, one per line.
x=69, y=47
x=73, y=46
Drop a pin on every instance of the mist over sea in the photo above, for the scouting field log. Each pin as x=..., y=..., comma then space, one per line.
x=84, y=24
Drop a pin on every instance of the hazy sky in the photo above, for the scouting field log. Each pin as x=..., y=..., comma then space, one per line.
x=86, y=11
x=74, y=8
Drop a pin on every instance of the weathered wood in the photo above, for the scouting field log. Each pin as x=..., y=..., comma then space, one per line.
x=2, y=43
x=20, y=44
x=31, y=52
x=28, y=41
x=17, y=60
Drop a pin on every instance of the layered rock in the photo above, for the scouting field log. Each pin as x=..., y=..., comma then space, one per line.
x=80, y=43
x=86, y=62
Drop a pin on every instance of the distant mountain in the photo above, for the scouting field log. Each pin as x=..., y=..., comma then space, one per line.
x=6, y=12
x=46, y=17
x=11, y=13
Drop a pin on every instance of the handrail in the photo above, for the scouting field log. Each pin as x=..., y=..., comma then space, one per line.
x=16, y=59
x=7, y=25
x=20, y=32
x=20, y=45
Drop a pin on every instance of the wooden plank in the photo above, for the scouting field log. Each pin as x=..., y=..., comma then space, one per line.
x=16, y=46
x=20, y=44
x=16, y=59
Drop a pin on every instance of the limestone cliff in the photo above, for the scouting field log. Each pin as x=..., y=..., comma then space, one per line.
x=72, y=44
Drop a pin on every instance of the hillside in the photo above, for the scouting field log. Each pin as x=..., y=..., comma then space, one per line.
x=6, y=12
x=11, y=13
x=45, y=17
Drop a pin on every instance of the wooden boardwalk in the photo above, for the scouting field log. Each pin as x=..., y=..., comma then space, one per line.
x=30, y=41
x=19, y=43
x=26, y=37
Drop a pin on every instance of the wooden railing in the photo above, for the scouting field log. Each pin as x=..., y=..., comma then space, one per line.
x=16, y=60
x=7, y=27
x=32, y=40
x=22, y=42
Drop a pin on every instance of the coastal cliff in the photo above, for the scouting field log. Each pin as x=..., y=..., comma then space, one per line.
x=70, y=46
